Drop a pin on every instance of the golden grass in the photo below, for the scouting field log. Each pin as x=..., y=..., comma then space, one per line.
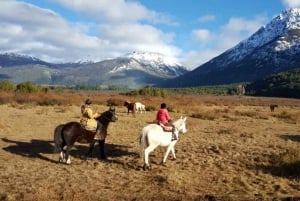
x=235, y=149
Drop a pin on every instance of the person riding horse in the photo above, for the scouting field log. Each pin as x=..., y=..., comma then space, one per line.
x=88, y=119
x=163, y=118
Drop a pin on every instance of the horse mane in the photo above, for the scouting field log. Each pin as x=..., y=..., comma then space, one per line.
x=181, y=119
x=103, y=118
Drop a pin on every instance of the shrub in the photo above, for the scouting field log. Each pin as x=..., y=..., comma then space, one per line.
x=26, y=87
x=7, y=85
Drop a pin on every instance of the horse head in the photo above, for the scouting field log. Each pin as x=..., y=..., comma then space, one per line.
x=109, y=115
x=180, y=124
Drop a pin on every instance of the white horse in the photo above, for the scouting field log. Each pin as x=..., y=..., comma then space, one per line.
x=153, y=136
x=140, y=107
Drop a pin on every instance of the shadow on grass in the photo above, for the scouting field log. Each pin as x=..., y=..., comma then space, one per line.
x=288, y=170
x=36, y=148
x=292, y=137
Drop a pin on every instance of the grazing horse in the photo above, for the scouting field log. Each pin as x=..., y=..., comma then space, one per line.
x=272, y=107
x=71, y=132
x=140, y=107
x=130, y=107
x=153, y=136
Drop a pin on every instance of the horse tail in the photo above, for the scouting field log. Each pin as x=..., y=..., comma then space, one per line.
x=143, y=141
x=58, y=139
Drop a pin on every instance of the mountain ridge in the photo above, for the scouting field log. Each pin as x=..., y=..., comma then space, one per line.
x=273, y=48
x=133, y=69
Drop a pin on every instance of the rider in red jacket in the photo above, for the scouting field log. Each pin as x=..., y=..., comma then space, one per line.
x=163, y=117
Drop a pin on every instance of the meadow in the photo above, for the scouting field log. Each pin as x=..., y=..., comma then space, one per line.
x=235, y=149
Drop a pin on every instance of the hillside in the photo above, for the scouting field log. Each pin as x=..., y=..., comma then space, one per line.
x=272, y=49
x=285, y=84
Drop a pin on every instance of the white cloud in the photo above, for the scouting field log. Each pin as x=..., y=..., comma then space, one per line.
x=120, y=11
x=229, y=35
x=202, y=34
x=291, y=3
x=47, y=35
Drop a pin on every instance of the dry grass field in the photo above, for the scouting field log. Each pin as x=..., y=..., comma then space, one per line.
x=235, y=149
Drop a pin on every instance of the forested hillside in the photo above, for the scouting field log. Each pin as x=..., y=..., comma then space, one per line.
x=286, y=84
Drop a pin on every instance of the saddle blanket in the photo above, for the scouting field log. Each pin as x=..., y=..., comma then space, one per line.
x=166, y=128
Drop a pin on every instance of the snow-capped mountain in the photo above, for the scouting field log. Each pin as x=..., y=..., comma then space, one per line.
x=131, y=70
x=13, y=59
x=151, y=62
x=273, y=48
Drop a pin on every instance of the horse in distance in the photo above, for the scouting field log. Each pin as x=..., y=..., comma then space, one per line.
x=140, y=107
x=153, y=136
x=65, y=136
x=130, y=107
x=272, y=107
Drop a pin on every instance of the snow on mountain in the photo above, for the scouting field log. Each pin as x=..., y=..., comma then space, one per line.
x=279, y=26
x=274, y=48
x=151, y=62
x=153, y=59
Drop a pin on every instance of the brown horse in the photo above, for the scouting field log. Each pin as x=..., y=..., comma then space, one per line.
x=71, y=132
x=272, y=107
x=130, y=107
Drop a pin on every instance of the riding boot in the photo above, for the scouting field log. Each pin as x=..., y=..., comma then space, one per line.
x=98, y=131
x=174, y=137
x=102, y=149
x=97, y=135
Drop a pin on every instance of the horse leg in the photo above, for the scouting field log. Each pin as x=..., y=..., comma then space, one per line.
x=61, y=156
x=91, y=148
x=170, y=147
x=173, y=153
x=68, y=157
x=102, y=149
x=146, y=157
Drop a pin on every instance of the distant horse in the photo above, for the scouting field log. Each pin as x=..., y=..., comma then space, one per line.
x=272, y=107
x=153, y=136
x=130, y=107
x=140, y=107
x=71, y=132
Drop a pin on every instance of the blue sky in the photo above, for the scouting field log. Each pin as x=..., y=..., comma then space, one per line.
x=189, y=31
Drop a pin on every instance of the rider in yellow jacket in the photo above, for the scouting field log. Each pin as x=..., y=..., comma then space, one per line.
x=88, y=118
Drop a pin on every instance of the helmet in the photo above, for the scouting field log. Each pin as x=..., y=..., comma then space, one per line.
x=88, y=101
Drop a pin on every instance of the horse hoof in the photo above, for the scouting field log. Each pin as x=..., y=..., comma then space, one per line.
x=146, y=167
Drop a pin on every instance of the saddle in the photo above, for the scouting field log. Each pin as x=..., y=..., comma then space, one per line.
x=166, y=127
x=83, y=123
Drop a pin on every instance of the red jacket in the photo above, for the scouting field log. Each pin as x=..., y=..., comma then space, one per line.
x=163, y=116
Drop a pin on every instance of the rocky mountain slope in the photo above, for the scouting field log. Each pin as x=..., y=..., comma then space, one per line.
x=273, y=48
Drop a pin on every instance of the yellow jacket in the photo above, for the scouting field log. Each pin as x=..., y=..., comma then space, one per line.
x=88, y=118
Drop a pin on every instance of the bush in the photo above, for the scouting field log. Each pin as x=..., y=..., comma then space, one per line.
x=7, y=85
x=26, y=87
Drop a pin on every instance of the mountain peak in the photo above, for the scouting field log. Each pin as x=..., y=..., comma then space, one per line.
x=152, y=58
x=289, y=17
x=280, y=25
